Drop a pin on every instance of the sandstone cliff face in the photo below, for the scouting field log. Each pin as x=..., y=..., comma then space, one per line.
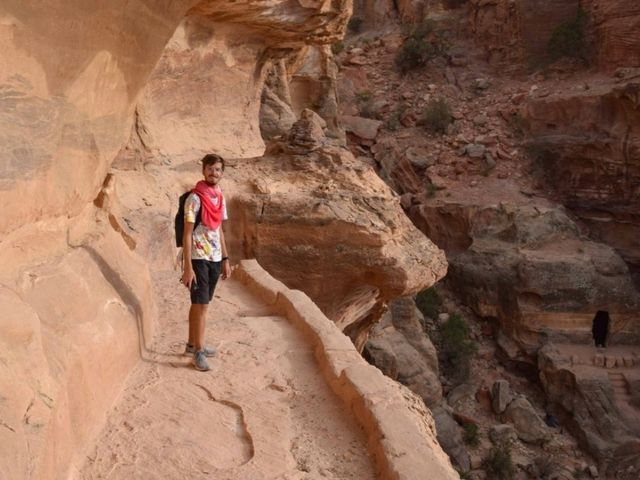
x=524, y=262
x=587, y=141
x=75, y=296
x=585, y=395
x=616, y=28
x=205, y=92
x=399, y=347
x=325, y=223
x=68, y=96
x=76, y=247
x=514, y=31
x=540, y=231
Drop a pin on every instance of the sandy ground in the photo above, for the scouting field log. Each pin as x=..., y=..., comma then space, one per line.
x=262, y=412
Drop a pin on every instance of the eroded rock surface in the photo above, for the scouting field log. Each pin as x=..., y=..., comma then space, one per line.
x=400, y=348
x=584, y=393
x=325, y=223
x=587, y=140
x=176, y=81
x=537, y=242
x=516, y=32
x=527, y=265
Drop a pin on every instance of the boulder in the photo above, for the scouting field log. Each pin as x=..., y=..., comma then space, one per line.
x=306, y=134
x=529, y=427
x=365, y=128
x=319, y=206
x=399, y=347
x=462, y=397
x=474, y=150
x=503, y=434
x=449, y=435
x=500, y=396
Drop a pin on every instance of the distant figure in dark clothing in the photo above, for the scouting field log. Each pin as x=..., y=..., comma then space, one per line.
x=551, y=421
x=600, y=328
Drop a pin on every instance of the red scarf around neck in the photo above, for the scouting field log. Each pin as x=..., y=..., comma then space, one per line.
x=210, y=204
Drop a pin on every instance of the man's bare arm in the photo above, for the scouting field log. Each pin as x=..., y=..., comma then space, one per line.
x=226, y=265
x=188, y=276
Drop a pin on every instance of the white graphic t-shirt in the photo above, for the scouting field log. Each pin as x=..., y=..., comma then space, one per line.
x=205, y=244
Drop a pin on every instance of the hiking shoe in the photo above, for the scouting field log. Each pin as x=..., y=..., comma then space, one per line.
x=200, y=361
x=208, y=351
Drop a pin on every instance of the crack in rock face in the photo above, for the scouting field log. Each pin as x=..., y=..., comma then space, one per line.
x=231, y=415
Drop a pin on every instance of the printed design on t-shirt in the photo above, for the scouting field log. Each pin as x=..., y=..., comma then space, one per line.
x=205, y=243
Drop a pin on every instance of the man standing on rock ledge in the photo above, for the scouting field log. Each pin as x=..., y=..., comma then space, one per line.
x=204, y=253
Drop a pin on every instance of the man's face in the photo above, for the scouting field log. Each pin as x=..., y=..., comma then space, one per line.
x=212, y=173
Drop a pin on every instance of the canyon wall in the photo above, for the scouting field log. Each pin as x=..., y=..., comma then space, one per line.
x=106, y=110
x=519, y=32
x=615, y=26
x=527, y=177
x=587, y=142
x=75, y=296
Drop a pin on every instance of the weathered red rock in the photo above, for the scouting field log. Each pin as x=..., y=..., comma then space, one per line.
x=588, y=142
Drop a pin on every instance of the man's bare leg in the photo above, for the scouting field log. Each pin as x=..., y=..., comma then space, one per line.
x=192, y=334
x=197, y=319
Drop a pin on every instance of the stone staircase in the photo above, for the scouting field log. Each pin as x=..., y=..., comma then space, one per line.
x=620, y=386
x=622, y=399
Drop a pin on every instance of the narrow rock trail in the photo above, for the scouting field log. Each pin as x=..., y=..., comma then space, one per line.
x=262, y=412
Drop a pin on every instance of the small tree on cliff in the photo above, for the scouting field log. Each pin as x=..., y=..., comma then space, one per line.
x=423, y=43
x=568, y=38
x=455, y=348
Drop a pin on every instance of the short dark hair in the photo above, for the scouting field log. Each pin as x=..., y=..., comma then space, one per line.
x=212, y=158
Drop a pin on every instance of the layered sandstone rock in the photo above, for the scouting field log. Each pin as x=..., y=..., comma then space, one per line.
x=514, y=31
x=77, y=314
x=616, y=29
x=497, y=25
x=583, y=394
x=76, y=306
x=324, y=222
x=587, y=140
x=399, y=347
x=205, y=92
x=67, y=92
x=75, y=297
x=525, y=263
x=74, y=284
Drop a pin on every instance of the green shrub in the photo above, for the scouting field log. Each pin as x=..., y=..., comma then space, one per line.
x=455, y=348
x=428, y=302
x=498, y=464
x=364, y=96
x=364, y=100
x=518, y=125
x=455, y=3
x=422, y=44
x=437, y=116
x=355, y=24
x=568, y=38
x=394, y=121
x=337, y=48
x=544, y=466
x=471, y=434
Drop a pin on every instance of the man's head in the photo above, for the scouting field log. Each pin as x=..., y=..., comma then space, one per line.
x=212, y=168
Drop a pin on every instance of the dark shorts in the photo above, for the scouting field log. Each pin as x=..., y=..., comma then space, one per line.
x=207, y=274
